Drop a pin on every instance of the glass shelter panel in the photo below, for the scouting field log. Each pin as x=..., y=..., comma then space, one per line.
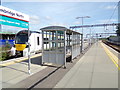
x=59, y=43
x=54, y=50
x=76, y=45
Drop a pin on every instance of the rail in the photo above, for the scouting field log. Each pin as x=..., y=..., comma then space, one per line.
x=115, y=47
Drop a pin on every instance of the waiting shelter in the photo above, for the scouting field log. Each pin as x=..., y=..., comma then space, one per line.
x=60, y=43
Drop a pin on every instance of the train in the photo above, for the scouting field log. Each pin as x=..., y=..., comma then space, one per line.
x=114, y=40
x=20, y=46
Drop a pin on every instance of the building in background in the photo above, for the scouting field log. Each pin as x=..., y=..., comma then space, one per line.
x=7, y=38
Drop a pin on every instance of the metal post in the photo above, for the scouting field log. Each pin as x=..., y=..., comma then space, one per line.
x=90, y=36
x=56, y=46
x=81, y=42
x=42, y=45
x=82, y=25
x=72, y=40
x=65, y=48
x=49, y=40
x=82, y=36
x=29, y=60
x=69, y=40
x=52, y=39
x=46, y=39
x=60, y=39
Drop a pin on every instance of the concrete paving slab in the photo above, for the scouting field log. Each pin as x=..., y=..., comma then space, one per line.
x=104, y=80
x=82, y=81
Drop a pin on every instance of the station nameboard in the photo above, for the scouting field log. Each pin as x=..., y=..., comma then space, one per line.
x=13, y=18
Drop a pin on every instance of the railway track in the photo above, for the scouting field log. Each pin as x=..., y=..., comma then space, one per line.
x=115, y=47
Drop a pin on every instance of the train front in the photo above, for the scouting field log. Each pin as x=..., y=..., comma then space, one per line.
x=20, y=47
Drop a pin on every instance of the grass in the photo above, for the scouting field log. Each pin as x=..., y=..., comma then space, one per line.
x=4, y=52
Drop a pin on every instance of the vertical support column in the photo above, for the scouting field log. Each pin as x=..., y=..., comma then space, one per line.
x=56, y=48
x=69, y=39
x=52, y=39
x=65, y=48
x=60, y=39
x=42, y=45
x=72, y=46
x=29, y=60
x=46, y=39
x=49, y=40
x=90, y=38
x=77, y=44
x=81, y=42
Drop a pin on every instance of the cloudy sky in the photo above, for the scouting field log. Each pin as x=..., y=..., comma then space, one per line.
x=64, y=14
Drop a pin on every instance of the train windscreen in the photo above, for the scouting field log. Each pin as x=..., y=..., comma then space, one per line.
x=21, y=38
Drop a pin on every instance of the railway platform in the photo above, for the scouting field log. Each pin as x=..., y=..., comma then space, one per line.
x=96, y=68
x=15, y=70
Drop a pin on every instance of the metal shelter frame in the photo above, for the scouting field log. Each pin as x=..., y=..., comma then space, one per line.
x=60, y=43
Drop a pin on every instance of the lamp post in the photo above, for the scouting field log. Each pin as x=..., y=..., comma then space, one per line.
x=82, y=25
x=82, y=20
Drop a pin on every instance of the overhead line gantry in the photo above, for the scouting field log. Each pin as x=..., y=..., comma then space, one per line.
x=96, y=25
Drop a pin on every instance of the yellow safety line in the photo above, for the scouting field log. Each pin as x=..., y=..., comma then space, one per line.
x=111, y=56
x=17, y=61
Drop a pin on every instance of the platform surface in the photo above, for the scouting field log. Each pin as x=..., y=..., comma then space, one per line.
x=97, y=68
x=94, y=70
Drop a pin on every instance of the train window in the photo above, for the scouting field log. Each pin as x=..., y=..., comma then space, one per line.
x=46, y=42
x=45, y=38
x=21, y=39
x=38, y=41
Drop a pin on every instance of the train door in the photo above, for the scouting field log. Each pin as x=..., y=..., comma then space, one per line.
x=32, y=42
x=39, y=42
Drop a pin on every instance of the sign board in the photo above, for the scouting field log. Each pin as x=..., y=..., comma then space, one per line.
x=13, y=18
x=17, y=19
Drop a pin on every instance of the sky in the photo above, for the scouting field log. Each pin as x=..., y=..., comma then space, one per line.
x=44, y=14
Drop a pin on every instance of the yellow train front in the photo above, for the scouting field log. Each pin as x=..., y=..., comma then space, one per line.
x=20, y=47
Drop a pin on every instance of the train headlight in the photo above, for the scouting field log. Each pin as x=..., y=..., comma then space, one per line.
x=26, y=46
